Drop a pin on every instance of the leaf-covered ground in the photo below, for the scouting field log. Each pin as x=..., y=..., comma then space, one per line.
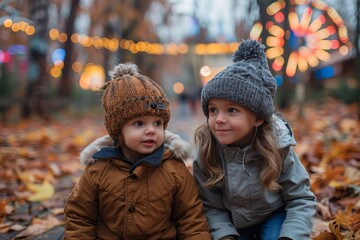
x=39, y=165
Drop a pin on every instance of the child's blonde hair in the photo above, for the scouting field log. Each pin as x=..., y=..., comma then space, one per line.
x=266, y=144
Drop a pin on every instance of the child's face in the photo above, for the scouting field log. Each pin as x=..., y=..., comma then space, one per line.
x=141, y=136
x=229, y=121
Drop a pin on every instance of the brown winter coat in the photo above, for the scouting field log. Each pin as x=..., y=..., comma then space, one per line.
x=150, y=203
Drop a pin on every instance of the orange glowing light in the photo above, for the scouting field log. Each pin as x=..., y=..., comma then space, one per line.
x=316, y=31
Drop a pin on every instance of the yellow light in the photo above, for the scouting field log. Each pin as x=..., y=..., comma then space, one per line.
x=114, y=45
x=8, y=22
x=172, y=49
x=344, y=50
x=123, y=43
x=315, y=25
x=141, y=46
x=274, y=42
x=322, y=34
x=320, y=5
x=312, y=60
x=306, y=18
x=302, y=64
x=55, y=72
x=62, y=37
x=205, y=71
x=88, y=42
x=76, y=66
x=279, y=61
x=98, y=43
x=304, y=51
x=178, y=88
x=75, y=38
x=335, y=16
x=127, y=44
x=200, y=49
x=274, y=52
x=276, y=31
x=93, y=77
x=107, y=42
x=256, y=31
x=59, y=64
x=294, y=21
x=30, y=30
x=291, y=66
x=23, y=26
x=132, y=48
x=15, y=27
x=54, y=34
x=343, y=33
x=234, y=46
x=211, y=48
x=183, y=48
x=275, y=7
x=325, y=44
x=322, y=55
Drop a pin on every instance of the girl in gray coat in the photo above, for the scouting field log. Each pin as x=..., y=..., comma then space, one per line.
x=251, y=181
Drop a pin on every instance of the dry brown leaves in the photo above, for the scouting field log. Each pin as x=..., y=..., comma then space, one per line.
x=39, y=166
x=328, y=138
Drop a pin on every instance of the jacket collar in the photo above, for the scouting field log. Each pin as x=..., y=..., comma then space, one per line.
x=153, y=159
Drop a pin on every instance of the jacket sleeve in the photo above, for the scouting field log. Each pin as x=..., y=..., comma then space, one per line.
x=300, y=201
x=81, y=210
x=188, y=213
x=219, y=220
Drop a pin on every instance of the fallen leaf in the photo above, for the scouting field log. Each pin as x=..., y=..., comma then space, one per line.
x=41, y=192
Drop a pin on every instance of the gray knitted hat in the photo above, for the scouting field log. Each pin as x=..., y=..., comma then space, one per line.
x=247, y=82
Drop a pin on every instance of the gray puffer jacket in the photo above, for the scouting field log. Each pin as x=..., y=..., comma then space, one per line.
x=243, y=202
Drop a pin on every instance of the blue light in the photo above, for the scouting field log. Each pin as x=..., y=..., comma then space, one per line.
x=17, y=49
x=326, y=72
x=279, y=80
x=58, y=54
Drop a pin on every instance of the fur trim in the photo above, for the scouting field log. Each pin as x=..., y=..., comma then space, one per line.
x=174, y=142
x=94, y=147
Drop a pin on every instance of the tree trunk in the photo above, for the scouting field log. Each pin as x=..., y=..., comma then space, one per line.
x=357, y=57
x=37, y=76
x=66, y=81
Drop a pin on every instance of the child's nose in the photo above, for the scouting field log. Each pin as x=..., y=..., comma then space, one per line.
x=150, y=129
x=220, y=118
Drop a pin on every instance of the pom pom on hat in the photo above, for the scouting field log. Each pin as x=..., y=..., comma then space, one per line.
x=123, y=69
x=249, y=50
x=129, y=95
x=248, y=82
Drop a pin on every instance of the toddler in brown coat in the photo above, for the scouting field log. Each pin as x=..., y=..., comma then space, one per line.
x=135, y=184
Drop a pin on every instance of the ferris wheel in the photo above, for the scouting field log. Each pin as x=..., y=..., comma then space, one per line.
x=315, y=31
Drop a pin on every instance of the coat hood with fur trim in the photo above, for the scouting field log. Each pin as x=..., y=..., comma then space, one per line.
x=180, y=148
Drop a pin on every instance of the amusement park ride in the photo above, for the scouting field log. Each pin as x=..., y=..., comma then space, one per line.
x=314, y=33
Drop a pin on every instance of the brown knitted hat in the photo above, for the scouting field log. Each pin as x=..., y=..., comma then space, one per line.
x=130, y=95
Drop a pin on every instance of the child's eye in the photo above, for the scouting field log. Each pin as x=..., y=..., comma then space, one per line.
x=138, y=123
x=232, y=110
x=158, y=123
x=212, y=110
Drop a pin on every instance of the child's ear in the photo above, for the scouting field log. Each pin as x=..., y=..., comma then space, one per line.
x=259, y=122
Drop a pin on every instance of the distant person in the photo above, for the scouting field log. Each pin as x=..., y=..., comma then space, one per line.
x=183, y=109
x=251, y=181
x=135, y=184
